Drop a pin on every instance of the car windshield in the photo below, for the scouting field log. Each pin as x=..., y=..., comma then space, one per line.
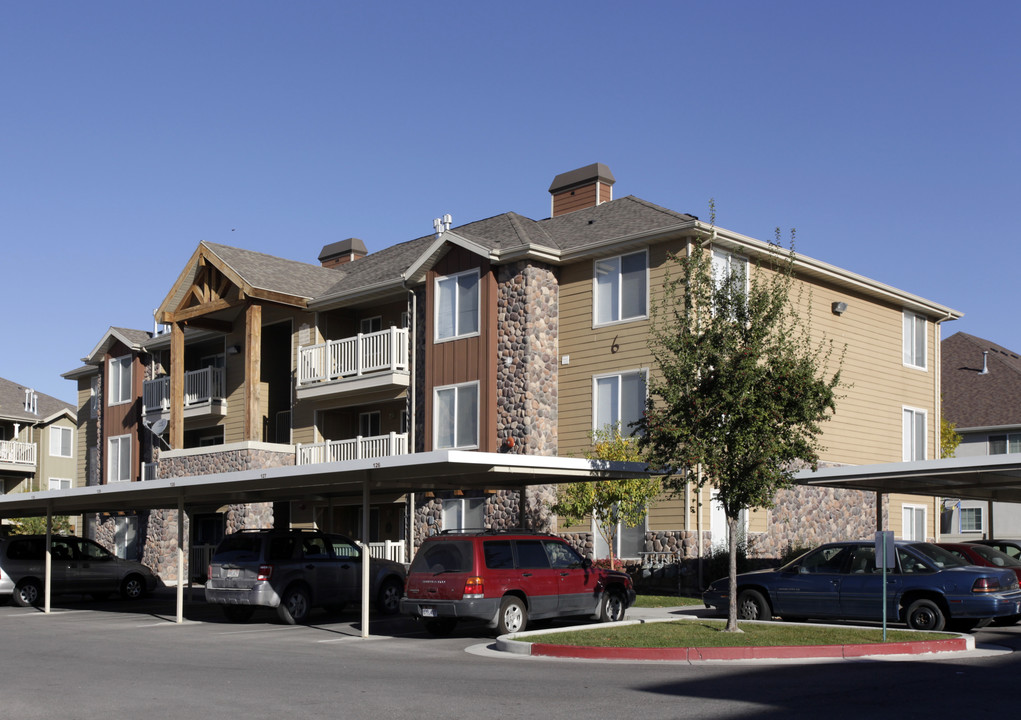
x=443, y=556
x=994, y=556
x=938, y=556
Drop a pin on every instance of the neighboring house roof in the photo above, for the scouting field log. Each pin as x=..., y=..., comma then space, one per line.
x=12, y=405
x=973, y=398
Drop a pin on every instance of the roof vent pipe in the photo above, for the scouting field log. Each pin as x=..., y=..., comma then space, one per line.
x=985, y=363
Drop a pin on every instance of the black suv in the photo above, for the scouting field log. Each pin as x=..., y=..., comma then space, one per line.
x=507, y=578
x=294, y=571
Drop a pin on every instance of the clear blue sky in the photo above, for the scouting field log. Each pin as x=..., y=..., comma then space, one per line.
x=887, y=133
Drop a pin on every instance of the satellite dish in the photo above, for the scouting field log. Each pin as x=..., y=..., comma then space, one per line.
x=159, y=426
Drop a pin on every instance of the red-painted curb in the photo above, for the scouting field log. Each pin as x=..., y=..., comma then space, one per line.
x=782, y=652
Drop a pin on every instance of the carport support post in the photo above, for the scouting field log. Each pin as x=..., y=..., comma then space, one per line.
x=180, y=559
x=48, y=573
x=879, y=512
x=366, y=559
x=522, y=507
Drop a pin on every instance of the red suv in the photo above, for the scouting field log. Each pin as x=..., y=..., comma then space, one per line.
x=507, y=578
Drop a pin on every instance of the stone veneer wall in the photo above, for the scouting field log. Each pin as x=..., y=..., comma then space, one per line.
x=159, y=549
x=527, y=319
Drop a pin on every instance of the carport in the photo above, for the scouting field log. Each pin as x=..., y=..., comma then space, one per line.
x=367, y=481
x=985, y=477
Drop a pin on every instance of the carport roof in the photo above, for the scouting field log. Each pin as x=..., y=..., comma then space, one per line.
x=986, y=477
x=388, y=478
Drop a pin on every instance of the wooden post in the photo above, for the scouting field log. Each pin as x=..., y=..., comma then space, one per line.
x=176, y=386
x=253, y=371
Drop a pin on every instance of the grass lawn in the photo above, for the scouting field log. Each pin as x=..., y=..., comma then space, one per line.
x=658, y=601
x=709, y=633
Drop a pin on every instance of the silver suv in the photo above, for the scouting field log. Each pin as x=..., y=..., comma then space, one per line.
x=294, y=571
x=77, y=565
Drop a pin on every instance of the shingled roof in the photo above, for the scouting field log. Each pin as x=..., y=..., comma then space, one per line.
x=971, y=398
x=12, y=404
x=275, y=274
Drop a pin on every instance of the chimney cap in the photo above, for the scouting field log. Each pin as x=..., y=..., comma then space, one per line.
x=596, y=172
x=351, y=246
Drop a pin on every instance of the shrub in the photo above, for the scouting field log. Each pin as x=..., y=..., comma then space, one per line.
x=604, y=563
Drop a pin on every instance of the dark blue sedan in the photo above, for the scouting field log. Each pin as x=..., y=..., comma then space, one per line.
x=928, y=588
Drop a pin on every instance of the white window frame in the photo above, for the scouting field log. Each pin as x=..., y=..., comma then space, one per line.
x=724, y=260
x=119, y=365
x=910, y=340
x=624, y=429
x=612, y=265
x=114, y=458
x=457, y=389
x=600, y=544
x=458, y=511
x=908, y=510
x=367, y=419
x=57, y=441
x=60, y=483
x=1009, y=440
x=909, y=435
x=457, y=331
x=981, y=525
x=94, y=397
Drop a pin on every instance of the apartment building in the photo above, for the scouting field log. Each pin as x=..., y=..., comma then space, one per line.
x=503, y=335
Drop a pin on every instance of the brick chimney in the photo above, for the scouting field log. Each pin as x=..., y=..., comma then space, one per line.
x=342, y=252
x=582, y=188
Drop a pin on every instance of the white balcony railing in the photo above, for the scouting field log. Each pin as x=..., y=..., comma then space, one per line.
x=383, y=351
x=199, y=386
x=17, y=453
x=387, y=550
x=353, y=449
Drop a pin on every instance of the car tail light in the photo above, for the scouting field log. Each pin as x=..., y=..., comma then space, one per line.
x=474, y=588
x=985, y=585
x=265, y=572
x=209, y=571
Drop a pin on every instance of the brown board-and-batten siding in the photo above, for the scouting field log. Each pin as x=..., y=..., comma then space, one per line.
x=465, y=359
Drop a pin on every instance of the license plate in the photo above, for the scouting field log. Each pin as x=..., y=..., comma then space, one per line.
x=233, y=572
x=428, y=612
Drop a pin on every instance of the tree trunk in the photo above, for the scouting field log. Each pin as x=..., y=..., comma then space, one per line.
x=732, y=573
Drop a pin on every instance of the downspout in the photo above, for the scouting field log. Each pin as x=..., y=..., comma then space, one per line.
x=412, y=408
x=938, y=405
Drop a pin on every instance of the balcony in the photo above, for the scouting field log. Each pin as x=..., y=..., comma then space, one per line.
x=373, y=361
x=19, y=457
x=204, y=394
x=357, y=448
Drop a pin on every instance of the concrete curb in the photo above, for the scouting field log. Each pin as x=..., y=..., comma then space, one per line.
x=510, y=643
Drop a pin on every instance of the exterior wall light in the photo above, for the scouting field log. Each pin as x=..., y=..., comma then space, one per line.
x=839, y=308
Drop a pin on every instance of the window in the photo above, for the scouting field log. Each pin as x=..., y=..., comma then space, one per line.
x=460, y=513
x=618, y=398
x=60, y=484
x=456, y=417
x=120, y=380
x=629, y=541
x=1003, y=444
x=730, y=267
x=971, y=519
x=914, y=340
x=621, y=288
x=913, y=520
x=60, y=441
x=370, y=325
x=914, y=434
x=125, y=537
x=457, y=305
x=118, y=460
x=94, y=397
x=368, y=424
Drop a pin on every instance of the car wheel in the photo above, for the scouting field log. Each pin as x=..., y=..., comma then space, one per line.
x=925, y=615
x=238, y=613
x=1006, y=620
x=612, y=607
x=28, y=593
x=294, y=607
x=513, y=615
x=133, y=587
x=388, y=601
x=441, y=626
x=752, y=606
